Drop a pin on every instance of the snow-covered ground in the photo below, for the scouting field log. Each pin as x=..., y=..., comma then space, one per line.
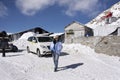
x=77, y=62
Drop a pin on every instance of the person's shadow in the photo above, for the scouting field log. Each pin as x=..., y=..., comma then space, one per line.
x=72, y=66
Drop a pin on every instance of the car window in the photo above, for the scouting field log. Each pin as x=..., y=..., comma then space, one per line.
x=30, y=38
x=44, y=39
x=34, y=39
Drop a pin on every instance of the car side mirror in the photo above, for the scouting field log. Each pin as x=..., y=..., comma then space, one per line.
x=34, y=41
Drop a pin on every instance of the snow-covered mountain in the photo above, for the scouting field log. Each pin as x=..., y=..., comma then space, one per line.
x=106, y=22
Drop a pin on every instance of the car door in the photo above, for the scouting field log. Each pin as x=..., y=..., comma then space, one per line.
x=30, y=43
x=34, y=45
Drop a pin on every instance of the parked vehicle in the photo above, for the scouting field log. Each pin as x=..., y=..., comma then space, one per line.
x=39, y=45
x=10, y=48
x=5, y=44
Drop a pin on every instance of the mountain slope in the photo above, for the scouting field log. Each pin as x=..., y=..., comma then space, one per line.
x=106, y=22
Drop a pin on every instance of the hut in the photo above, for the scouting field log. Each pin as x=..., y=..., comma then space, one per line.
x=77, y=30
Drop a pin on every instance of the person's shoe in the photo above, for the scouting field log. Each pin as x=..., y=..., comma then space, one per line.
x=55, y=70
x=3, y=55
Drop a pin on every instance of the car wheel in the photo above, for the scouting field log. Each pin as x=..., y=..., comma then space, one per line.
x=28, y=50
x=38, y=53
x=15, y=49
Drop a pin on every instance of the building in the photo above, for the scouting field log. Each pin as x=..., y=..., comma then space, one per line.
x=36, y=30
x=77, y=30
x=116, y=32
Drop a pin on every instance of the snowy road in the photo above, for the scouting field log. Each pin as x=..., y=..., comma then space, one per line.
x=76, y=63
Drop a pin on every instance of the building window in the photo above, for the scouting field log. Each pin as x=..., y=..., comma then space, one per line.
x=70, y=31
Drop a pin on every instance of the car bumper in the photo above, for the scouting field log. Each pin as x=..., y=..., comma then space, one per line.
x=6, y=50
x=46, y=52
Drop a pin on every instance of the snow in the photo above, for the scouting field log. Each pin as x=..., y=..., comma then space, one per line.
x=106, y=29
x=100, y=27
x=56, y=34
x=22, y=41
x=76, y=62
x=26, y=35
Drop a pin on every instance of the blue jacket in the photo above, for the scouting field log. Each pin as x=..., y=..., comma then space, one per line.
x=56, y=48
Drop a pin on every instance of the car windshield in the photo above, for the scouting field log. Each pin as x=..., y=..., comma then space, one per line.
x=44, y=39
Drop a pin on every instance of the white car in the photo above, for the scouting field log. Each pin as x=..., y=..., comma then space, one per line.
x=39, y=45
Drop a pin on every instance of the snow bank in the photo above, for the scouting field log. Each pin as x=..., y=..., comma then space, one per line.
x=22, y=41
x=26, y=35
x=56, y=34
x=106, y=29
x=100, y=27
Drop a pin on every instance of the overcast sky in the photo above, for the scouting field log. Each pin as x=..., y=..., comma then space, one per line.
x=51, y=15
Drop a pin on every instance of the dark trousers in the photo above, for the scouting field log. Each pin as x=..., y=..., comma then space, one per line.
x=55, y=59
x=3, y=52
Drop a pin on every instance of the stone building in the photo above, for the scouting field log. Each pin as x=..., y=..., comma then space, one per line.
x=76, y=30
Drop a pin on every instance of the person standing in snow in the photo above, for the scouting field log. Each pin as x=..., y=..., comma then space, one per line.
x=3, y=42
x=56, y=47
